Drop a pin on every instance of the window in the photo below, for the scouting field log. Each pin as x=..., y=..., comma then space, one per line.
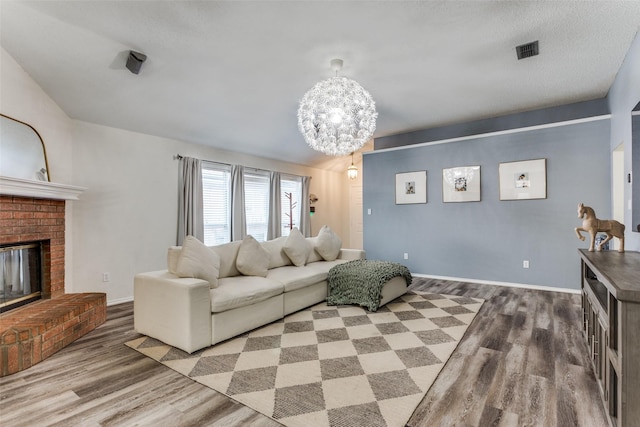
x=256, y=203
x=290, y=205
x=216, y=195
x=217, y=203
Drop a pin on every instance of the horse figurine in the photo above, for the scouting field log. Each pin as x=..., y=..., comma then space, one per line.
x=593, y=225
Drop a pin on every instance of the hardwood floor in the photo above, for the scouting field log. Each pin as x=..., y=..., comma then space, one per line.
x=523, y=362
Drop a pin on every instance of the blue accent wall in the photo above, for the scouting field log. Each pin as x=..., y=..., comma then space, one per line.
x=635, y=168
x=561, y=113
x=488, y=240
x=623, y=97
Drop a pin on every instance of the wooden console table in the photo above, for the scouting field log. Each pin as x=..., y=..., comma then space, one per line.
x=611, y=313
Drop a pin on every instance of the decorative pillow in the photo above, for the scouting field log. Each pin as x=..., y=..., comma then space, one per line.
x=313, y=254
x=228, y=252
x=297, y=248
x=173, y=255
x=275, y=249
x=197, y=260
x=253, y=259
x=329, y=244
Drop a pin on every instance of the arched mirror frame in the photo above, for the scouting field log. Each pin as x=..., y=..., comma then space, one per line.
x=47, y=173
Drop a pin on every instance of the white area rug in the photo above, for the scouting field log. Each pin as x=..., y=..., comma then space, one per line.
x=333, y=366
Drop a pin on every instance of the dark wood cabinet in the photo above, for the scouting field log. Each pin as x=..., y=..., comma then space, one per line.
x=611, y=315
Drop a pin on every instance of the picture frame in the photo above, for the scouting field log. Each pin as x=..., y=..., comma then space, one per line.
x=411, y=187
x=523, y=180
x=461, y=184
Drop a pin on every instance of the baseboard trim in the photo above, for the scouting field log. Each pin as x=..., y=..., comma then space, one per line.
x=119, y=301
x=509, y=284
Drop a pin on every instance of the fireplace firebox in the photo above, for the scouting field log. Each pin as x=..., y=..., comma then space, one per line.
x=21, y=274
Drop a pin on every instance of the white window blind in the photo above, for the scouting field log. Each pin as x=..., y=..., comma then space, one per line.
x=290, y=208
x=216, y=195
x=256, y=202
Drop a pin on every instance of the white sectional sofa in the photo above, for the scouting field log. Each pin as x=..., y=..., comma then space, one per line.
x=193, y=304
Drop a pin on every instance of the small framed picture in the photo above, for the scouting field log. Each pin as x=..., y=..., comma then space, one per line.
x=523, y=180
x=411, y=187
x=461, y=184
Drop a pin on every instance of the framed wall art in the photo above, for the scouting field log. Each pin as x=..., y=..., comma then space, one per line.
x=411, y=187
x=461, y=184
x=523, y=180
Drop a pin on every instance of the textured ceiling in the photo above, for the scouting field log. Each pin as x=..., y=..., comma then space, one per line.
x=231, y=74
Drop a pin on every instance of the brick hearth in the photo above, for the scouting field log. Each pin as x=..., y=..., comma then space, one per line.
x=34, y=332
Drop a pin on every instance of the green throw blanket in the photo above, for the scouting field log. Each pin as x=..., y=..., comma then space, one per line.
x=361, y=281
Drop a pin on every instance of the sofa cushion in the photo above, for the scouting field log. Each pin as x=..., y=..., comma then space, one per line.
x=328, y=244
x=293, y=277
x=324, y=266
x=227, y=253
x=297, y=248
x=234, y=292
x=314, y=256
x=253, y=259
x=300, y=277
x=277, y=256
x=197, y=260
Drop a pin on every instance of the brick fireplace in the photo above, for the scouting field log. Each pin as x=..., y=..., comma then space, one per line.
x=35, y=212
x=27, y=219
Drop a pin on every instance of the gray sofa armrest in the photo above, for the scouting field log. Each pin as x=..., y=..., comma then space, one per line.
x=175, y=310
x=352, y=254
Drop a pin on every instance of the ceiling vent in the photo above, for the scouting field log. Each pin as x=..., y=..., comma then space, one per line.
x=527, y=50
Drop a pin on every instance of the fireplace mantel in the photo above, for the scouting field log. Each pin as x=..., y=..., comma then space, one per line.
x=38, y=189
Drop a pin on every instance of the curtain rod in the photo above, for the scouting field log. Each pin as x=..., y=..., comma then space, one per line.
x=180, y=157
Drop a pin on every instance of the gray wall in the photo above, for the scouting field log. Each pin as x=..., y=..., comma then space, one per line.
x=488, y=240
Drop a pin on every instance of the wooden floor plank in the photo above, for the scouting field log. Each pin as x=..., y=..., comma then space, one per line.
x=522, y=362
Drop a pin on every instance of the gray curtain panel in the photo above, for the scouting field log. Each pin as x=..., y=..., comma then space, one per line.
x=275, y=206
x=190, y=220
x=305, y=218
x=238, y=216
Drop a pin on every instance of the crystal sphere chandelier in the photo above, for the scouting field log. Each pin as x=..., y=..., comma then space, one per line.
x=337, y=116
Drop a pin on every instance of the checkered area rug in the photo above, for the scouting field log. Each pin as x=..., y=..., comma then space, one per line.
x=332, y=366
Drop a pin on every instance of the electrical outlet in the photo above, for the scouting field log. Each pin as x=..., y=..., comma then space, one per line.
x=106, y=277
x=406, y=255
x=525, y=263
x=369, y=211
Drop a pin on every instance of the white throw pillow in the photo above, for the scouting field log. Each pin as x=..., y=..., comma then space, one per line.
x=314, y=256
x=329, y=244
x=197, y=260
x=275, y=249
x=173, y=256
x=297, y=248
x=253, y=259
x=228, y=252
